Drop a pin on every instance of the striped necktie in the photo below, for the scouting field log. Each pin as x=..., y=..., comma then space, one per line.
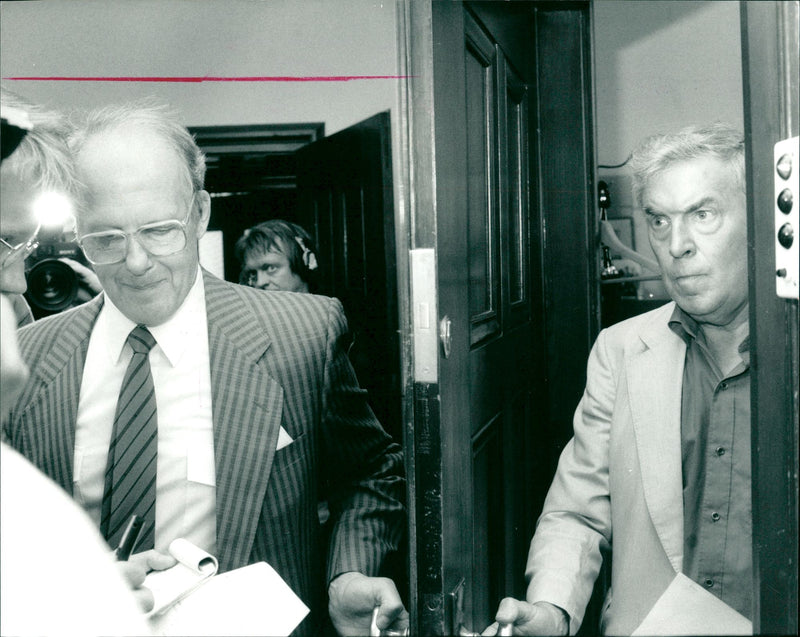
x=130, y=481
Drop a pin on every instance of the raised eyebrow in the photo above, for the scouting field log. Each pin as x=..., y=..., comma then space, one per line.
x=698, y=205
x=703, y=203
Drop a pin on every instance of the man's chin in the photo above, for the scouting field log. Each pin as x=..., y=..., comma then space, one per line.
x=149, y=313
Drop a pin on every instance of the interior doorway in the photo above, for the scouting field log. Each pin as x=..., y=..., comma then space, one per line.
x=339, y=188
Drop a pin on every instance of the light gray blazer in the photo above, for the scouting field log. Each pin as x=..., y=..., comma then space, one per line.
x=619, y=480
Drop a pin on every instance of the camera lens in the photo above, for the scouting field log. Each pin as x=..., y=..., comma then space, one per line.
x=52, y=285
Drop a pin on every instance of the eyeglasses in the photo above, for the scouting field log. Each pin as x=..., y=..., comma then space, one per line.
x=160, y=239
x=16, y=253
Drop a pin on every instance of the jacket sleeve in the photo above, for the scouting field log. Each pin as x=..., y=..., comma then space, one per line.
x=575, y=526
x=361, y=468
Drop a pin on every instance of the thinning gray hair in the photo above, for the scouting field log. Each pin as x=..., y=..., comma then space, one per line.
x=42, y=158
x=659, y=152
x=150, y=114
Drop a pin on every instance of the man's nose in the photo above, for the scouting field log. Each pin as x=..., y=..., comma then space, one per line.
x=681, y=242
x=137, y=259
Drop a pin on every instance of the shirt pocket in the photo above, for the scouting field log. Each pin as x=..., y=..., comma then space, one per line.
x=88, y=477
x=200, y=465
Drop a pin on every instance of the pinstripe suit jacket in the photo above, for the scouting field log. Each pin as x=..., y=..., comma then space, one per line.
x=277, y=359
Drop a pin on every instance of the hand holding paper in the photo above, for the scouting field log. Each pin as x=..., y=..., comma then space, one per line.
x=135, y=569
x=191, y=599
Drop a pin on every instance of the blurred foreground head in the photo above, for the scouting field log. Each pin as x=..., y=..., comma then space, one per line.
x=36, y=174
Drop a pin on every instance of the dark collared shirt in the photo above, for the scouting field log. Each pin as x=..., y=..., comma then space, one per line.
x=715, y=441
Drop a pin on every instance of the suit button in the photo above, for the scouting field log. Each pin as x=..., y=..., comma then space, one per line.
x=715, y=516
x=708, y=583
x=720, y=451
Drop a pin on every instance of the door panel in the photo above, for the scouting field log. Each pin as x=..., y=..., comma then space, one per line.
x=345, y=201
x=484, y=272
x=483, y=451
x=480, y=233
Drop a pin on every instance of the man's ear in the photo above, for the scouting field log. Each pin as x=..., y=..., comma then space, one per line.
x=204, y=205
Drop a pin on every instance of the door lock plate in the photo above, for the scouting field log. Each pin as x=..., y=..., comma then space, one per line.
x=787, y=219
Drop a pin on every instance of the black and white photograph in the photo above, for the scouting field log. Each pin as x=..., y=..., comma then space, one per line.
x=399, y=317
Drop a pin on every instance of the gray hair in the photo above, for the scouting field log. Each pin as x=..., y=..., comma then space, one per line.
x=659, y=152
x=42, y=157
x=153, y=115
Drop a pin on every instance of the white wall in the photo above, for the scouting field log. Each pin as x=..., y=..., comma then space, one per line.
x=207, y=38
x=660, y=65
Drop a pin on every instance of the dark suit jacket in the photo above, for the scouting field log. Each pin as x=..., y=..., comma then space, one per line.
x=277, y=358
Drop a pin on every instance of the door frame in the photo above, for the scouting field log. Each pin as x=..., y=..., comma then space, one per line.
x=770, y=82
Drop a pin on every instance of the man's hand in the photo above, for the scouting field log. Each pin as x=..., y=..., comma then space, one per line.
x=354, y=596
x=136, y=569
x=86, y=277
x=540, y=618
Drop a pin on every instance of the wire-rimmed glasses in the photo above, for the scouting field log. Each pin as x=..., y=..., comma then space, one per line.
x=160, y=239
x=12, y=254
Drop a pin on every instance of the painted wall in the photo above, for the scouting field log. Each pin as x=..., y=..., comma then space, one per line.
x=207, y=38
x=660, y=65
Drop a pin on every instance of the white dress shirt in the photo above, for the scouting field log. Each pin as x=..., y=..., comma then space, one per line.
x=185, y=483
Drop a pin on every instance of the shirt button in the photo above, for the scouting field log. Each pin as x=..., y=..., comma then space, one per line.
x=723, y=386
x=715, y=516
x=708, y=583
x=720, y=451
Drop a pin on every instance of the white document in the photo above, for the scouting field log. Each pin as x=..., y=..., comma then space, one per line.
x=194, y=567
x=686, y=608
x=253, y=600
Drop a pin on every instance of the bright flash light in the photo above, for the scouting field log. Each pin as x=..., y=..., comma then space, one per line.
x=52, y=210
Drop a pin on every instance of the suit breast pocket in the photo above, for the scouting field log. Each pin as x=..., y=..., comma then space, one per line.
x=291, y=455
x=291, y=479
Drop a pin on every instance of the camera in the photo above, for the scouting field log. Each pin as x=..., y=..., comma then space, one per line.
x=53, y=286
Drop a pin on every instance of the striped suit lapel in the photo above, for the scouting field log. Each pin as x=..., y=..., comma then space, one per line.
x=247, y=408
x=54, y=398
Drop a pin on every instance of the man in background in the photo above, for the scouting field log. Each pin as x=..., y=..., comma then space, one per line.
x=235, y=409
x=658, y=470
x=277, y=255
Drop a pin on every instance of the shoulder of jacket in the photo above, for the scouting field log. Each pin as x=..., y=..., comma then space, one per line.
x=633, y=328
x=46, y=328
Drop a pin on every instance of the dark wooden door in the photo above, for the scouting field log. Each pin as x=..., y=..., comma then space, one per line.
x=483, y=446
x=345, y=200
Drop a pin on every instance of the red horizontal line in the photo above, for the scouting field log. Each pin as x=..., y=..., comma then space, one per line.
x=197, y=79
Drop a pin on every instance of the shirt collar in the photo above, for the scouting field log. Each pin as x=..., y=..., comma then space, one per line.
x=687, y=328
x=173, y=337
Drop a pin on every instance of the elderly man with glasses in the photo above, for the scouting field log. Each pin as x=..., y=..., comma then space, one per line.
x=216, y=412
